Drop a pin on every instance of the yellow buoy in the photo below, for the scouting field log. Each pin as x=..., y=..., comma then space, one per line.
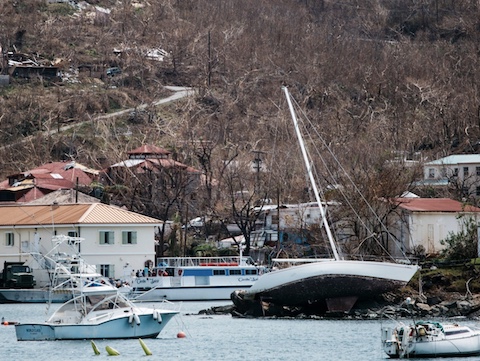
x=145, y=348
x=181, y=334
x=111, y=351
x=95, y=348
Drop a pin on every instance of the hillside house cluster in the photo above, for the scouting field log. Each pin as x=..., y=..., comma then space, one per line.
x=43, y=202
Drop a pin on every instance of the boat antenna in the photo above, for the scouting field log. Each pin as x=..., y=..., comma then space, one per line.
x=310, y=174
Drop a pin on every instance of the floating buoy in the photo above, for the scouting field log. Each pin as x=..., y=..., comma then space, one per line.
x=111, y=351
x=95, y=348
x=181, y=334
x=145, y=348
x=5, y=323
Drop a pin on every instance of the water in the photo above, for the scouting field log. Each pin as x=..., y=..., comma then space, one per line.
x=218, y=337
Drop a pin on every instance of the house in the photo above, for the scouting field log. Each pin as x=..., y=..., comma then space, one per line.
x=162, y=177
x=427, y=221
x=460, y=170
x=115, y=240
x=36, y=183
x=286, y=221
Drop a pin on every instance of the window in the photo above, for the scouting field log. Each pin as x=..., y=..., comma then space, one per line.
x=129, y=237
x=431, y=173
x=477, y=169
x=219, y=272
x=72, y=233
x=443, y=172
x=250, y=271
x=10, y=239
x=233, y=272
x=107, y=270
x=465, y=171
x=107, y=237
x=477, y=191
x=455, y=172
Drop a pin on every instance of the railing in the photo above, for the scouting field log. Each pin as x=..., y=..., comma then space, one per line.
x=204, y=261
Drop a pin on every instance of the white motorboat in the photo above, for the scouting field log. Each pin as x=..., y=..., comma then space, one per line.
x=195, y=278
x=338, y=283
x=42, y=267
x=97, y=310
x=430, y=339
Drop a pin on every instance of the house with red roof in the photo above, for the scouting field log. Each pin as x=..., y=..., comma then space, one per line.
x=424, y=222
x=150, y=160
x=33, y=184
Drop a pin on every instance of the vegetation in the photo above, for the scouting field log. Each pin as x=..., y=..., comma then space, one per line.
x=382, y=81
x=462, y=245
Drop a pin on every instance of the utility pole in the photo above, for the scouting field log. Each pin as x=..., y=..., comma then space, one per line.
x=257, y=167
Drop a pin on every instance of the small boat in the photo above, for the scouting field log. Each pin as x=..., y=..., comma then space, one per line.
x=430, y=339
x=96, y=310
x=332, y=283
x=195, y=278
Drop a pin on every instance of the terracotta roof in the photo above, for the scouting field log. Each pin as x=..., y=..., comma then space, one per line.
x=56, y=171
x=97, y=213
x=434, y=205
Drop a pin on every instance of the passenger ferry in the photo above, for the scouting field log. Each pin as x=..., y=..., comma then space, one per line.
x=196, y=278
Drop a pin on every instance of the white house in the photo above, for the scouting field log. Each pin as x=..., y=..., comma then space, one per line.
x=464, y=169
x=426, y=221
x=115, y=240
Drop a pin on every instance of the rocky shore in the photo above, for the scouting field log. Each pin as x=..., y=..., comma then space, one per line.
x=371, y=310
x=434, y=293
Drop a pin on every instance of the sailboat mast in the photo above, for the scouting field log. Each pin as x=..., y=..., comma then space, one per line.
x=310, y=174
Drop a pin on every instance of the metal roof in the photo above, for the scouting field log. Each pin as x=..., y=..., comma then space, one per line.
x=96, y=213
x=456, y=159
x=434, y=205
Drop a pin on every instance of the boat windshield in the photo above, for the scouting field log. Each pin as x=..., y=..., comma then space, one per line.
x=99, y=302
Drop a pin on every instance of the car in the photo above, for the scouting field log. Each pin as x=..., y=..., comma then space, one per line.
x=114, y=71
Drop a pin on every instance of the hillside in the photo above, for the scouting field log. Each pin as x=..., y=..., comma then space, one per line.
x=380, y=79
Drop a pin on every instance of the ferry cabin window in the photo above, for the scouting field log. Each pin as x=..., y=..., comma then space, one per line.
x=106, y=270
x=250, y=271
x=219, y=272
x=107, y=237
x=129, y=237
x=235, y=272
x=10, y=239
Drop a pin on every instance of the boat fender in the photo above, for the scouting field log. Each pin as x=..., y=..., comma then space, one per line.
x=181, y=334
x=180, y=272
x=96, y=351
x=421, y=331
x=145, y=348
x=155, y=314
x=136, y=318
x=111, y=351
x=130, y=318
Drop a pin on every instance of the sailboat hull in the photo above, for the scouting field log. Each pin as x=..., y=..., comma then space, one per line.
x=327, y=280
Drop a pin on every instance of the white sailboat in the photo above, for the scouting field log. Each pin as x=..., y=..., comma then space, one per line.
x=430, y=339
x=337, y=282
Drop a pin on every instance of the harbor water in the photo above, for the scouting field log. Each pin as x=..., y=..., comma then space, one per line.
x=218, y=337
